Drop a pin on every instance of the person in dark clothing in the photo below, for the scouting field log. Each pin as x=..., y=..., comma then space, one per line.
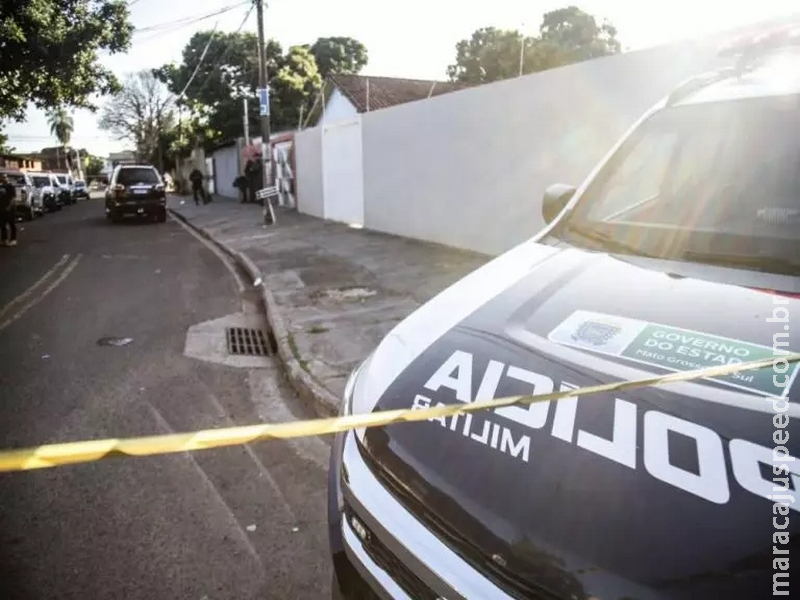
x=8, y=217
x=252, y=171
x=196, y=177
x=241, y=184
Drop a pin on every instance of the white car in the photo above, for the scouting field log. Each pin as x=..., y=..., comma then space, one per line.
x=680, y=251
x=45, y=190
x=25, y=203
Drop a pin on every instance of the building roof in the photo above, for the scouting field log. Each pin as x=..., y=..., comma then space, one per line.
x=388, y=91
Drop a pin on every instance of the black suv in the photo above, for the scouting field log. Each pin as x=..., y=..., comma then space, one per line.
x=136, y=191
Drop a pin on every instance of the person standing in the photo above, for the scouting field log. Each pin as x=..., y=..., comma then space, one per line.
x=8, y=217
x=196, y=177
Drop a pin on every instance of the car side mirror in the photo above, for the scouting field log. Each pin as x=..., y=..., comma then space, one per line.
x=555, y=199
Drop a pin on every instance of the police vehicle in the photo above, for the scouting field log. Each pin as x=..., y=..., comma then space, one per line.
x=679, y=251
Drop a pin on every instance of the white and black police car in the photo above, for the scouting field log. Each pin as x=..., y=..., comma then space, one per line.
x=681, y=250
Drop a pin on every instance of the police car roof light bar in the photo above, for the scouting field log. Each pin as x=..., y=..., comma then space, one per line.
x=750, y=50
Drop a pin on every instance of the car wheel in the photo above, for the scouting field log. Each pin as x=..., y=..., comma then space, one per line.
x=161, y=217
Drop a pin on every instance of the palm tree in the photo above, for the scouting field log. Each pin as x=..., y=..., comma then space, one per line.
x=61, y=126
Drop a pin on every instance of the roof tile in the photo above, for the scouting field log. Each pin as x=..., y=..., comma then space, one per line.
x=389, y=91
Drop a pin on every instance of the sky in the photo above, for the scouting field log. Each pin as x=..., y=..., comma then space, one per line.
x=412, y=38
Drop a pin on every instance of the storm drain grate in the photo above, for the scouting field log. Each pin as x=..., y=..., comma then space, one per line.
x=246, y=342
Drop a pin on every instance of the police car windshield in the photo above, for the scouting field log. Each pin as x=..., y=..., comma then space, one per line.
x=719, y=180
x=40, y=180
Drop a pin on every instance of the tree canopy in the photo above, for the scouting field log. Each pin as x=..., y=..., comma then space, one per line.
x=93, y=165
x=50, y=52
x=566, y=36
x=141, y=112
x=61, y=124
x=339, y=55
x=230, y=73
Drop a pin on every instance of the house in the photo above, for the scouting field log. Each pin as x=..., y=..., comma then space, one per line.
x=345, y=96
x=30, y=162
x=123, y=157
x=57, y=158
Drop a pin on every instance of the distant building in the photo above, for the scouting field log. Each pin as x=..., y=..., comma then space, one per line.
x=58, y=158
x=122, y=158
x=31, y=162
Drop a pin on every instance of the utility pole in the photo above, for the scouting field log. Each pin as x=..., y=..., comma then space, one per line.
x=263, y=84
x=246, y=122
x=521, y=49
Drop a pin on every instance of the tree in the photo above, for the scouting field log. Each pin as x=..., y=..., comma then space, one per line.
x=577, y=36
x=141, y=113
x=338, y=55
x=93, y=165
x=50, y=52
x=4, y=147
x=294, y=86
x=230, y=72
x=567, y=35
x=61, y=124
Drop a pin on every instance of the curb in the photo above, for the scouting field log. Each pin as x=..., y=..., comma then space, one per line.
x=325, y=404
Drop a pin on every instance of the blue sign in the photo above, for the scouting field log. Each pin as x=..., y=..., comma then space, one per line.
x=263, y=101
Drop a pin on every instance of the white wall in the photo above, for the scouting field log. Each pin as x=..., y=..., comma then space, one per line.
x=342, y=172
x=308, y=178
x=338, y=108
x=468, y=169
x=226, y=169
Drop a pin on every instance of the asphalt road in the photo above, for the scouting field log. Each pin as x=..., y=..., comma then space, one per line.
x=244, y=522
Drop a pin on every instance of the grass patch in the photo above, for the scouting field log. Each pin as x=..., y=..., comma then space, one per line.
x=318, y=329
x=296, y=353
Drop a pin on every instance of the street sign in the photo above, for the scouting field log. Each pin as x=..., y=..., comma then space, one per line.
x=263, y=102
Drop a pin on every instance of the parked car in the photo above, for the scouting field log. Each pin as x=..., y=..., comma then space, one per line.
x=25, y=204
x=679, y=251
x=46, y=190
x=80, y=191
x=66, y=194
x=136, y=191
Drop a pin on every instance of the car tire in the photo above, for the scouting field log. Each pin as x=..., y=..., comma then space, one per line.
x=162, y=217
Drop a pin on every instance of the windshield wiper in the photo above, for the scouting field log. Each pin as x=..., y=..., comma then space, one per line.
x=771, y=264
x=605, y=241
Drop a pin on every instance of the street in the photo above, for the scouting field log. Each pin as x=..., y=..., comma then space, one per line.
x=114, y=330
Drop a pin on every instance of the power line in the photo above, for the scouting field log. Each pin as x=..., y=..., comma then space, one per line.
x=200, y=62
x=224, y=54
x=178, y=23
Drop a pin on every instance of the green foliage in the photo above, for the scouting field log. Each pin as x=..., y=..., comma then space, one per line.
x=293, y=87
x=93, y=165
x=566, y=36
x=230, y=73
x=4, y=147
x=61, y=124
x=339, y=55
x=50, y=51
x=577, y=36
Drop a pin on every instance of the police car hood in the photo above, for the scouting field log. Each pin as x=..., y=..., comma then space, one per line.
x=652, y=493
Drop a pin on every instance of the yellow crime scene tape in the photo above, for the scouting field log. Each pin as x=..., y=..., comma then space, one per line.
x=54, y=455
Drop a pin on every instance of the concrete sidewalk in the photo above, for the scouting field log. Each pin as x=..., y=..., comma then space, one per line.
x=331, y=291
